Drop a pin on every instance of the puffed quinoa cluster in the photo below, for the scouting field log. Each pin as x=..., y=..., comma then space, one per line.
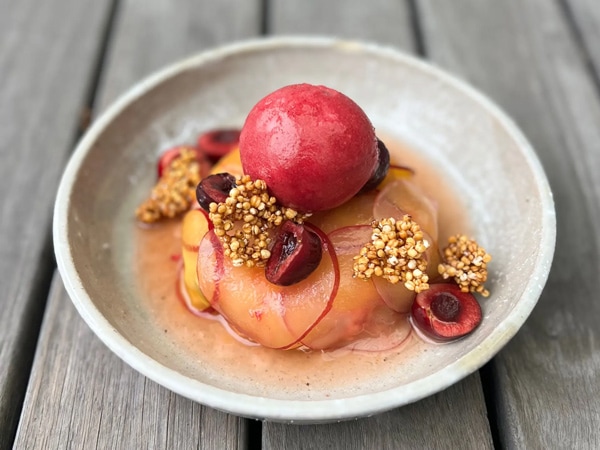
x=242, y=222
x=396, y=253
x=175, y=191
x=466, y=262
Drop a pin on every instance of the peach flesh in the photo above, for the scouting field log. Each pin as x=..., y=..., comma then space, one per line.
x=314, y=147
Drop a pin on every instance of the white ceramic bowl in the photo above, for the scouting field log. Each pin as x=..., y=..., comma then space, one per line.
x=463, y=134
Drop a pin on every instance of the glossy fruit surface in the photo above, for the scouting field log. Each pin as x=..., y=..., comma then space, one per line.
x=314, y=146
x=214, y=188
x=444, y=312
x=355, y=300
x=258, y=309
x=296, y=253
x=401, y=197
x=356, y=211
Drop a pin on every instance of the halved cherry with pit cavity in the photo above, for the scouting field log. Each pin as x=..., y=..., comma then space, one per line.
x=295, y=255
x=444, y=312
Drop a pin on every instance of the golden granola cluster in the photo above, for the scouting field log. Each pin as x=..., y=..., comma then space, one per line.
x=175, y=191
x=396, y=253
x=466, y=262
x=242, y=222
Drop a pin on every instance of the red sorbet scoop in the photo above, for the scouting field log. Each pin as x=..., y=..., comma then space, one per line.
x=313, y=146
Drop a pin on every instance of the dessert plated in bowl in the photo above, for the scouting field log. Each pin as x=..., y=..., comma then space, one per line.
x=464, y=154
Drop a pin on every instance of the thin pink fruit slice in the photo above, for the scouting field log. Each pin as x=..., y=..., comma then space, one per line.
x=385, y=330
x=404, y=197
x=355, y=299
x=309, y=306
x=258, y=309
x=357, y=211
x=396, y=199
x=395, y=296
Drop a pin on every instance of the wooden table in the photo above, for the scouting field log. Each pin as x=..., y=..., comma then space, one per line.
x=62, y=60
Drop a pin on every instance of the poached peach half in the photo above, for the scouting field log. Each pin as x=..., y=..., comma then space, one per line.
x=329, y=309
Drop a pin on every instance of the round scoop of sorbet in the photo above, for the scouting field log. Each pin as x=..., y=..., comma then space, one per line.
x=313, y=146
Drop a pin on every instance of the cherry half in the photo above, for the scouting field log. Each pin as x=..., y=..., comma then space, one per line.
x=296, y=253
x=217, y=143
x=445, y=313
x=214, y=188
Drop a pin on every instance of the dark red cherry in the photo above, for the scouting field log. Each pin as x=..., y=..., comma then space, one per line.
x=295, y=255
x=444, y=312
x=214, y=188
x=381, y=170
x=217, y=143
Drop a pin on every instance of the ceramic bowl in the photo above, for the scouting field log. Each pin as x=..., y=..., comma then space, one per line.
x=461, y=134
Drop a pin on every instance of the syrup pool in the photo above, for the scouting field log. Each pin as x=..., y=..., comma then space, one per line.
x=215, y=357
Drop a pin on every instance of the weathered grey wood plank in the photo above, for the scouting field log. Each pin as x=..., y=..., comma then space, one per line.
x=437, y=422
x=152, y=34
x=46, y=64
x=430, y=422
x=586, y=16
x=523, y=54
x=379, y=21
x=80, y=395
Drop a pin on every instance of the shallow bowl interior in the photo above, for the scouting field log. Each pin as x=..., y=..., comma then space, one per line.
x=475, y=146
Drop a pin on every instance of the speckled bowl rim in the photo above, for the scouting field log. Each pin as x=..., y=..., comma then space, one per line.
x=310, y=411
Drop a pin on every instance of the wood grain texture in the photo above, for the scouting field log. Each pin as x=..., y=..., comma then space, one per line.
x=152, y=34
x=524, y=55
x=433, y=420
x=586, y=17
x=46, y=65
x=382, y=21
x=80, y=395
x=430, y=423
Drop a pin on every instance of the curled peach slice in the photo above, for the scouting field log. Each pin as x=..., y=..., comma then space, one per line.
x=385, y=330
x=402, y=197
x=258, y=309
x=395, y=296
x=194, y=226
x=355, y=300
x=397, y=198
x=356, y=211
